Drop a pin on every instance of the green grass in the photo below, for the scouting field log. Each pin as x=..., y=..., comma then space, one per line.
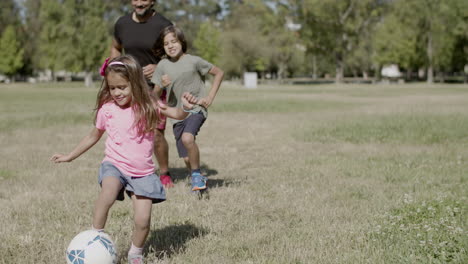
x=297, y=174
x=403, y=128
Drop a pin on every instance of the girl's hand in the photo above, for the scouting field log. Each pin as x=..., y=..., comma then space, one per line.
x=161, y=104
x=58, y=158
x=165, y=80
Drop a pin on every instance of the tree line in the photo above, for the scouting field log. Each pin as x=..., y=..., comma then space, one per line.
x=275, y=38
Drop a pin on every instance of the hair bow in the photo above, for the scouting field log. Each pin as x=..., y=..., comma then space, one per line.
x=103, y=68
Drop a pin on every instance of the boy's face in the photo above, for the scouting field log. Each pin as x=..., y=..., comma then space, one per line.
x=142, y=7
x=172, y=46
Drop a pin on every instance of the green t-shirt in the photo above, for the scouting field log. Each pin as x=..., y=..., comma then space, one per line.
x=187, y=75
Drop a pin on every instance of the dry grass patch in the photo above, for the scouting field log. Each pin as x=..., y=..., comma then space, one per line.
x=293, y=178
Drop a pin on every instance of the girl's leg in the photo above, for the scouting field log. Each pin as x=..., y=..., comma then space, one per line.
x=142, y=218
x=193, y=161
x=110, y=188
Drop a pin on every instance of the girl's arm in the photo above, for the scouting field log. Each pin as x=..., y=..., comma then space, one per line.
x=188, y=101
x=86, y=143
x=218, y=78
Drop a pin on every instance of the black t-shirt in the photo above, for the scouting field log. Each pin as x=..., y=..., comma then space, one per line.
x=137, y=39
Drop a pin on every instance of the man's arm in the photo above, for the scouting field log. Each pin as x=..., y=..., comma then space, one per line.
x=116, y=49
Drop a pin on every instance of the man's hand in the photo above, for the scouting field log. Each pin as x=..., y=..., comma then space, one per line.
x=148, y=71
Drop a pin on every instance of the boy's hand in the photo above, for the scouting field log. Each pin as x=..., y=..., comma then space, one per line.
x=165, y=80
x=189, y=101
x=205, y=102
x=58, y=158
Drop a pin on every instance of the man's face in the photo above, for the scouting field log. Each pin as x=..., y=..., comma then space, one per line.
x=142, y=7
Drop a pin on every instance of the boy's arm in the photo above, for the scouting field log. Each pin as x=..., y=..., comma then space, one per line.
x=218, y=78
x=165, y=81
x=85, y=144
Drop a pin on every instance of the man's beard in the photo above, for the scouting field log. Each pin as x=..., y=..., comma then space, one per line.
x=147, y=11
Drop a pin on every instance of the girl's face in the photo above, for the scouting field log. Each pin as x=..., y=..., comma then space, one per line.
x=120, y=89
x=172, y=46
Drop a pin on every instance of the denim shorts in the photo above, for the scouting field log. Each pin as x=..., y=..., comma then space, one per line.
x=192, y=125
x=147, y=186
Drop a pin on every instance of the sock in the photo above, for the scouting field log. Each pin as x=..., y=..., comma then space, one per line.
x=135, y=250
x=196, y=171
x=99, y=230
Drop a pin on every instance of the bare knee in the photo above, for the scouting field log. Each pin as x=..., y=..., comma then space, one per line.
x=188, y=139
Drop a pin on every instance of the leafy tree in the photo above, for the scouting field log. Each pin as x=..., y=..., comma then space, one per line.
x=189, y=14
x=52, y=37
x=32, y=27
x=336, y=27
x=208, y=43
x=11, y=52
x=9, y=14
x=88, y=39
x=245, y=46
x=425, y=38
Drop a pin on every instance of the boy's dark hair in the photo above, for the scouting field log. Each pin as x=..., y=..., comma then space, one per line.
x=158, y=47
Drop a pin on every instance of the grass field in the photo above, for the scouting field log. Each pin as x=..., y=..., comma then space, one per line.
x=297, y=174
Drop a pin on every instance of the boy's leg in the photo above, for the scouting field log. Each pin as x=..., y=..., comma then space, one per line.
x=111, y=187
x=142, y=218
x=193, y=153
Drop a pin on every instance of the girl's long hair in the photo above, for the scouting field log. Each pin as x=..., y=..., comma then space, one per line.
x=158, y=48
x=142, y=104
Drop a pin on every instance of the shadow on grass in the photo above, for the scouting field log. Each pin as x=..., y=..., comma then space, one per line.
x=179, y=174
x=172, y=239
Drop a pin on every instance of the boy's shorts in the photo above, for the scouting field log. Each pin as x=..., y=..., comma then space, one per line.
x=192, y=125
x=162, y=118
x=148, y=186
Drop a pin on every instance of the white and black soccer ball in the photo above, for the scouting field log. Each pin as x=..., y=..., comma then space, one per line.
x=91, y=247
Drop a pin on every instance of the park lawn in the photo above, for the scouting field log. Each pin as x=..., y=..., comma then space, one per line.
x=297, y=174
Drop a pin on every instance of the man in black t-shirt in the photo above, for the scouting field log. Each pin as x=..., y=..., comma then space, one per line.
x=135, y=35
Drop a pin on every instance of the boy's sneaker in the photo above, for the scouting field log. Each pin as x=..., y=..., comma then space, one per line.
x=198, y=182
x=166, y=180
x=135, y=259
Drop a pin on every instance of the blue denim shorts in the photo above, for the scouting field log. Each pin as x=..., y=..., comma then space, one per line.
x=147, y=186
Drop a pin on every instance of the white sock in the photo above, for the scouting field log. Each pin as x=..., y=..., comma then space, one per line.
x=135, y=250
x=99, y=230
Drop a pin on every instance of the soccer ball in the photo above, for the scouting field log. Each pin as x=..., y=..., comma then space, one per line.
x=91, y=247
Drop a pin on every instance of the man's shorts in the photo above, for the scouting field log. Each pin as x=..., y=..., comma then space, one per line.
x=147, y=186
x=192, y=125
x=162, y=118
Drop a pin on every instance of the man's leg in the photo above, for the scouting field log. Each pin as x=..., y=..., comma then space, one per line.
x=161, y=150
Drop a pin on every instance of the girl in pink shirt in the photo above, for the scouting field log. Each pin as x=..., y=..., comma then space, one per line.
x=129, y=115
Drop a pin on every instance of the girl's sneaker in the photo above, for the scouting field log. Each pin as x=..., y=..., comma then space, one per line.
x=166, y=180
x=135, y=259
x=198, y=182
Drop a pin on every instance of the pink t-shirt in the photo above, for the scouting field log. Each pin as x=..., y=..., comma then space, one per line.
x=130, y=153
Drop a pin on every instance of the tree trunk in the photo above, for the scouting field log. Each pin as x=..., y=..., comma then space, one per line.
x=281, y=70
x=430, y=68
x=339, y=68
x=314, y=67
x=88, y=79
